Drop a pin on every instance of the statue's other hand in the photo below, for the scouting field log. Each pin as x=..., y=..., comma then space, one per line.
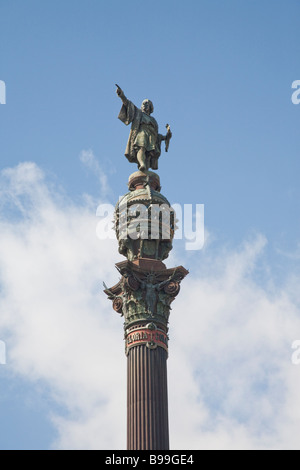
x=169, y=133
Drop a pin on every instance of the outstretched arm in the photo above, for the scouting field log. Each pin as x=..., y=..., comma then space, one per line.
x=163, y=283
x=120, y=93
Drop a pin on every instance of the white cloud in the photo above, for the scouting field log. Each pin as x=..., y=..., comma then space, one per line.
x=234, y=344
x=293, y=255
x=231, y=380
x=88, y=158
x=63, y=329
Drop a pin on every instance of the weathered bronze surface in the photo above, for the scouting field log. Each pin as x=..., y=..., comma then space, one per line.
x=144, y=219
x=145, y=224
x=144, y=143
x=145, y=294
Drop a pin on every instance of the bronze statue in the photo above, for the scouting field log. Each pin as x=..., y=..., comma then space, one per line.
x=144, y=143
x=151, y=288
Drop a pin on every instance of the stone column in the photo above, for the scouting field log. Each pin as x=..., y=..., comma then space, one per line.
x=145, y=225
x=147, y=399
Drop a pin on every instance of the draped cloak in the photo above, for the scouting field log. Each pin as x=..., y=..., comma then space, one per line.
x=143, y=133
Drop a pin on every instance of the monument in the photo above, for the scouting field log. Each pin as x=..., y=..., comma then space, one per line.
x=145, y=223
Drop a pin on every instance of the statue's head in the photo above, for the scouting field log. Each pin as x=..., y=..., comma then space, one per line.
x=147, y=107
x=151, y=278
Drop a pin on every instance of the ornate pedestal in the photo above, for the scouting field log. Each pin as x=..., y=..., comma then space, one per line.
x=145, y=225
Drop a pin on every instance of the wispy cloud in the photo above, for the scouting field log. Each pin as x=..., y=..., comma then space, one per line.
x=88, y=158
x=292, y=255
x=234, y=346
x=231, y=381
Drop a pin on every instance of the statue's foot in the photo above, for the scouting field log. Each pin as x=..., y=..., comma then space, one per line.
x=143, y=168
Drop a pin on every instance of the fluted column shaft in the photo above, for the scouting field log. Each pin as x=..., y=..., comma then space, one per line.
x=147, y=399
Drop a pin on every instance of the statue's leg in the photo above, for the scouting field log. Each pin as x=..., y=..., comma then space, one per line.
x=141, y=158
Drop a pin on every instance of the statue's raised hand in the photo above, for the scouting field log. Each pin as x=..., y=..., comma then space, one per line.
x=119, y=91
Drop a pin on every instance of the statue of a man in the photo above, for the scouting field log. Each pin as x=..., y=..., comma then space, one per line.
x=144, y=143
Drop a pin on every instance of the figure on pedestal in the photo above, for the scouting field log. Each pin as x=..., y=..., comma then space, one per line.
x=152, y=289
x=144, y=143
x=145, y=223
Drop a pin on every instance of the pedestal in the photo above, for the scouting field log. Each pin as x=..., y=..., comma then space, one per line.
x=143, y=296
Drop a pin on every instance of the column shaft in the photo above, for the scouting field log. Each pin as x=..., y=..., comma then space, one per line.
x=147, y=399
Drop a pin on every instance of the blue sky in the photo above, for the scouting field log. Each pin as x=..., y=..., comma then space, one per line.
x=220, y=73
